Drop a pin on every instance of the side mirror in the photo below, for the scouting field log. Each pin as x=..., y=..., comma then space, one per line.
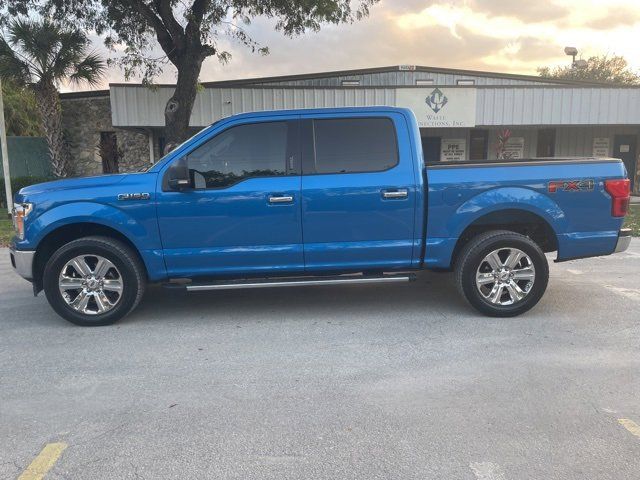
x=178, y=177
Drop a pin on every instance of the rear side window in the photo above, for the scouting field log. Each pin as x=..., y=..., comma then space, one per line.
x=350, y=145
x=245, y=151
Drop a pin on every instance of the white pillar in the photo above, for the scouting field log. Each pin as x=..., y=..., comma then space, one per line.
x=151, y=155
x=5, y=156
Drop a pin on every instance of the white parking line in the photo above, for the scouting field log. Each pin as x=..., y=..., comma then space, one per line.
x=487, y=471
x=632, y=293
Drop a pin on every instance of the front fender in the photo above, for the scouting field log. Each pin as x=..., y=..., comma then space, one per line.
x=89, y=212
x=136, y=222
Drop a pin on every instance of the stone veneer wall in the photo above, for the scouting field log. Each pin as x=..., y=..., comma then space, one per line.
x=83, y=119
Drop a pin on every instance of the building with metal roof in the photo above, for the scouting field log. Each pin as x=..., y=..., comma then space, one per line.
x=461, y=112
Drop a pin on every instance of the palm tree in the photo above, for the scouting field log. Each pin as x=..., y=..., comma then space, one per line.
x=42, y=55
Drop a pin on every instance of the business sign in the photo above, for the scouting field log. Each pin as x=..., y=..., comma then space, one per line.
x=453, y=149
x=514, y=148
x=601, y=147
x=440, y=107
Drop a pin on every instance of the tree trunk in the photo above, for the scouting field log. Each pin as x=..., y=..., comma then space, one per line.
x=51, y=112
x=178, y=109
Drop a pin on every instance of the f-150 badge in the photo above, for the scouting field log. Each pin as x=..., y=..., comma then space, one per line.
x=134, y=196
x=571, y=185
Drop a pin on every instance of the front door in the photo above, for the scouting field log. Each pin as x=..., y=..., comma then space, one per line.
x=624, y=148
x=243, y=214
x=359, y=193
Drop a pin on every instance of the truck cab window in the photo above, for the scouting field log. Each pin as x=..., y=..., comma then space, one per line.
x=350, y=145
x=241, y=152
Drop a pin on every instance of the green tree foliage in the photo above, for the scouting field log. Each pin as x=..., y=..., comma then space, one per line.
x=606, y=69
x=40, y=55
x=21, y=113
x=188, y=32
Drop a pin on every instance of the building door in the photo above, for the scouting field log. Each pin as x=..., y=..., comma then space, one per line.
x=478, y=144
x=624, y=148
x=431, y=149
x=546, y=142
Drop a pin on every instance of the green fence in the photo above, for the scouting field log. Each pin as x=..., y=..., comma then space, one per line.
x=28, y=157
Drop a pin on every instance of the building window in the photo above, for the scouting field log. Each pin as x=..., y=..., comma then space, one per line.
x=109, y=152
x=546, y=142
x=425, y=81
x=162, y=142
x=431, y=147
x=466, y=81
x=350, y=83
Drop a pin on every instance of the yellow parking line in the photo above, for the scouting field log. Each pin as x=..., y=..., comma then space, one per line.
x=43, y=462
x=630, y=425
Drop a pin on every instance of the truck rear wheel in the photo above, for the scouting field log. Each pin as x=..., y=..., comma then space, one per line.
x=94, y=281
x=502, y=273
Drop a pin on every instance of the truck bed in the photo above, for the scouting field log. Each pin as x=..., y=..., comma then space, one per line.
x=567, y=193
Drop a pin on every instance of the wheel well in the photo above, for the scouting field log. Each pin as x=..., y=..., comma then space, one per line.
x=67, y=233
x=520, y=221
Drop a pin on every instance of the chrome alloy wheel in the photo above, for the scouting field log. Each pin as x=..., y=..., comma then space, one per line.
x=505, y=276
x=90, y=284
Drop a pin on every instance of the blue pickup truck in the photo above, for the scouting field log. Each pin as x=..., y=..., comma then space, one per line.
x=314, y=197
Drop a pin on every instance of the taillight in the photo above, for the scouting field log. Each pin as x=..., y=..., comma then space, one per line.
x=620, y=191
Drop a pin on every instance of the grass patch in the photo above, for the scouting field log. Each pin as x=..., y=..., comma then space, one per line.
x=6, y=230
x=632, y=220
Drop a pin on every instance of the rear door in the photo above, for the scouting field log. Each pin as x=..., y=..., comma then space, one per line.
x=359, y=192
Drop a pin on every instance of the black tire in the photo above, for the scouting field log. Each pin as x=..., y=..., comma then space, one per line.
x=471, y=257
x=126, y=261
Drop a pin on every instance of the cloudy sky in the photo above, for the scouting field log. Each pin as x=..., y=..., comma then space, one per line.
x=497, y=35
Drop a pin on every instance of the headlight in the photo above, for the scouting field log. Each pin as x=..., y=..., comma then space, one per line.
x=20, y=212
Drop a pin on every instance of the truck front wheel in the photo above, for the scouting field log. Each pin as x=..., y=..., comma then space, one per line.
x=94, y=281
x=502, y=273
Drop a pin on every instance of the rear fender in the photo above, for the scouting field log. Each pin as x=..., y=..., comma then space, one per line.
x=439, y=250
x=508, y=198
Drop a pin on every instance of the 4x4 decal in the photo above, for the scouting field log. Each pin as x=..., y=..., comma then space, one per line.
x=571, y=185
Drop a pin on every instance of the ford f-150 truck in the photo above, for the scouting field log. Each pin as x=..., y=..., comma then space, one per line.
x=314, y=197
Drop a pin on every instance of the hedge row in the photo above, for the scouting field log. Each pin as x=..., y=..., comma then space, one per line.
x=17, y=183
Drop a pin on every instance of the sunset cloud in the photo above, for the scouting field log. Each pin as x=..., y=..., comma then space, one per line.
x=500, y=35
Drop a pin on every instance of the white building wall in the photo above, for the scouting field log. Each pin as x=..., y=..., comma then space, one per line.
x=135, y=106
x=578, y=141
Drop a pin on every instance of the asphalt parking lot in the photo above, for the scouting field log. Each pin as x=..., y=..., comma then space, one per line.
x=395, y=381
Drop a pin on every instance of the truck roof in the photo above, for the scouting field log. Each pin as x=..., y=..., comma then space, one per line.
x=324, y=111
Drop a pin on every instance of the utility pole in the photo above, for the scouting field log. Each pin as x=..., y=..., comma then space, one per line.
x=5, y=157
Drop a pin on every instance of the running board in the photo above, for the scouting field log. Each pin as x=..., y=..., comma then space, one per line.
x=293, y=282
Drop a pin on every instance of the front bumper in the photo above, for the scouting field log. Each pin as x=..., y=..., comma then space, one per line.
x=624, y=239
x=22, y=262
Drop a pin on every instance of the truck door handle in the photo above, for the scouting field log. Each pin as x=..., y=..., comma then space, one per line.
x=280, y=198
x=394, y=194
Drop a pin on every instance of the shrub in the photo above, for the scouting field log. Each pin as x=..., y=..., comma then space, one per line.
x=17, y=183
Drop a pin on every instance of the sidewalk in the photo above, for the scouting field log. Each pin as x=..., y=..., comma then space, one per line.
x=635, y=199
